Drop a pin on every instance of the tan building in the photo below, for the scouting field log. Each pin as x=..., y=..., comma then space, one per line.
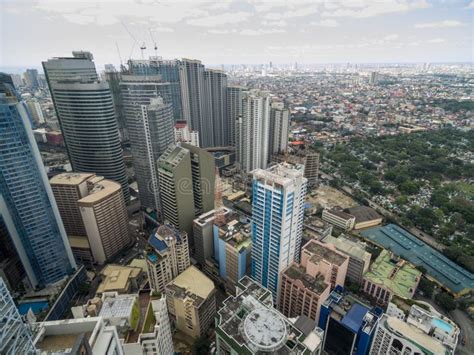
x=94, y=215
x=192, y=302
x=121, y=279
x=301, y=293
x=339, y=218
x=365, y=217
x=324, y=259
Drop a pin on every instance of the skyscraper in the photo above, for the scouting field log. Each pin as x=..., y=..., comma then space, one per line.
x=14, y=335
x=148, y=112
x=279, y=129
x=31, y=78
x=233, y=110
x=215, y=122
x=86, y=114
x=252, y=131
x=26, y=202
x=186, y=180
x=277, y=221
x=193, y=92
x=113, y=77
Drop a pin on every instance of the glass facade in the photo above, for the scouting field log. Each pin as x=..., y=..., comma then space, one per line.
x=26, y=202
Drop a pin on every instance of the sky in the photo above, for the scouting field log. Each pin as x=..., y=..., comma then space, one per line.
x=238, y=32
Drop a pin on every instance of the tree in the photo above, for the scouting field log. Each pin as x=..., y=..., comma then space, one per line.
x=445, y=301
x=427, y=287
x=201, y=346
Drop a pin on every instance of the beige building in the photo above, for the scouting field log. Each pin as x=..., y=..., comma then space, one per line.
x=324, y=259
x=94, y=214
x=121, y=279
x=192, y=302
x=339, y=218
x=365, y=217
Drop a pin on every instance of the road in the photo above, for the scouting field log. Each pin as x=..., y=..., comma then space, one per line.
x=467, y=329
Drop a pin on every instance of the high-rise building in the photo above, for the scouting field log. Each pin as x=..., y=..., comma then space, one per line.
x=277, y=221
x=94, y=213
x=36, y=112
x=31, y=78
x=113, y=77
x=160, y=341
x=184, y=134
x=150, y=129
x=15, y=336
x=233, y=245
x=233, y=110
x=215, y=120
x=203, y=235
x=26, y=201
x=191, y=301
x=11, y=269
x=248, y=324
x=349, y=325
x=167, y=256
x=279, y=129
x=252, y=131
x=311, y=167
x=86, y=114
x=191, y=76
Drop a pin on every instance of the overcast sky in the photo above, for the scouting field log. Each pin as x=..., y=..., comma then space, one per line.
x=251, y=31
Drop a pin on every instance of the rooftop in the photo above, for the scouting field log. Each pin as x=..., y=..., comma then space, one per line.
x=236, y=233
x=315, y=284
x=101, y=190
x=117, y=306
x=407, y=246
x=70, y=178
x=320, y=252
x=393, y=273
x=363, y=213
x=116, y=277
x=349, y=247
x=283, y=173
x=338, y=211
x=192, y=282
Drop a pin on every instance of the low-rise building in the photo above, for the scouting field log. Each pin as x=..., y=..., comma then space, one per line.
x=120, y=279
x=315, y=228
x=339, y=218
x=191, y=301
x=324, y=259
x=359, y=259
x=247, y=323
x=390, y=275
x=365, y=217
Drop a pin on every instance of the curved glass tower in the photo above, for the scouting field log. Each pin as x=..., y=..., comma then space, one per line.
x=27, y=204
x=86, y=113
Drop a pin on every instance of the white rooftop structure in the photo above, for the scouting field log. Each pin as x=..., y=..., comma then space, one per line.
x=265, y=329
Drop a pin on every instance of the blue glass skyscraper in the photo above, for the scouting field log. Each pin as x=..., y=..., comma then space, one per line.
x=278, y=195
x=27, y=204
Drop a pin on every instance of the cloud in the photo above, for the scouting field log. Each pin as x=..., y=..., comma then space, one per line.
x=162, y=29
x=325, y=23
x=470, y=6
x=440, y=24
x=436, y=40
x=221, y=19
x=260, y=32
x=281, y=23
x=391, y=37
x=365, y=9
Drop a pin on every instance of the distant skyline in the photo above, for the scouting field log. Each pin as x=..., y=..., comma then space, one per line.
x=234, y=32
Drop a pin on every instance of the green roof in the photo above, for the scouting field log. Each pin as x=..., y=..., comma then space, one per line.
x=396, y=275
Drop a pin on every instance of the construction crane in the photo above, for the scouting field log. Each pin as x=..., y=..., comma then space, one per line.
x=135, y=42
x=154, y=43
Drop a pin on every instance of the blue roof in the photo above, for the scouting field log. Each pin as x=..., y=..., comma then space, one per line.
x=409, y=247
x=158, y=244
x=355, y=317
x=36, y=307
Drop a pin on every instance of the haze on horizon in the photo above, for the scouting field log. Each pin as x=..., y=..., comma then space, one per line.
x=232, y=32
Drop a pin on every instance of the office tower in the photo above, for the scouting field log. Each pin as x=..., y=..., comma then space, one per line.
x=186, y=183
x=169, y=71
x=191, y=76
x=279, y=129
x=374, y=78
x=94, y=214
x=215, y=119
x=86, y=114
x=17, y=80
x=31, y=79
x=150, y=129
x=311, y=167
x=325, y=260
x=184, y=134
x=203, y=235
x=277, y=221
x=359, y=259
x=191, y=301
x=36, y=112
x=203, y=177
x=160, y=341
x=11, y=269
x=422, y=331
x=248, y=324
x=14, y=335
x=349, y=325
x=252, y=131
x=167, y=256
x=233, y=241
x=233, y=110
x=26, y=202
x=113, y=77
